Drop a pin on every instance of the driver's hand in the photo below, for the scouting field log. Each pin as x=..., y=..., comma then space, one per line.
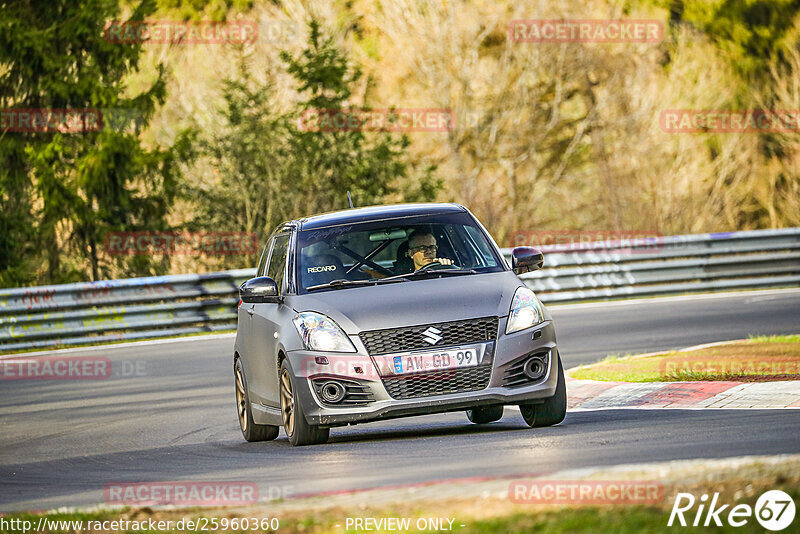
x=372, y=272
x=443, y=261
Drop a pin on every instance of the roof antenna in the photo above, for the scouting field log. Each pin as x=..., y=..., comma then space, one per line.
x=350, y=199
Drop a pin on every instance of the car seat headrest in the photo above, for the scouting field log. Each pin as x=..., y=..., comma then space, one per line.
x=321, y=269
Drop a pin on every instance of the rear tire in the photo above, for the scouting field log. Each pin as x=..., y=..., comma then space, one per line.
x=553, y=410
x=250, y=430
x=295, y=425
x=482, y=415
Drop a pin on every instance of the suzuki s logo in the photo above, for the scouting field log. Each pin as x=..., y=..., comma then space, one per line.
x=431, y=335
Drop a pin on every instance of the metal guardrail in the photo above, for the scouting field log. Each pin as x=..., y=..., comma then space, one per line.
x=163, y=306
x=670, y=265
x=128, y=309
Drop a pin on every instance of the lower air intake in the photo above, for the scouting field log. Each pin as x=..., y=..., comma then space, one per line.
x=438, y=382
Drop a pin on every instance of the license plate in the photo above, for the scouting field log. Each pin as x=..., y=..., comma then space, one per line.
x=434, y=361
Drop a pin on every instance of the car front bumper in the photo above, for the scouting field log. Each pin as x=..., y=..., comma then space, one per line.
x=508, y=350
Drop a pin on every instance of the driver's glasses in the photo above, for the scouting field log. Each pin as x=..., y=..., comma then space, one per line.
x=425, y=248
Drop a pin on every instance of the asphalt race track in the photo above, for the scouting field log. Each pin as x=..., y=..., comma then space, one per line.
x=169, y=415
x=588, y=332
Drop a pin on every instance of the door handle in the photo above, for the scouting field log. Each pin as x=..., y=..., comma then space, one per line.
x=251, y=310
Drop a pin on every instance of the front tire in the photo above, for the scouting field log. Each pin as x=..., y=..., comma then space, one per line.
x=485, y=414
x=250, y=430
x=295, y=425
x=553, y=410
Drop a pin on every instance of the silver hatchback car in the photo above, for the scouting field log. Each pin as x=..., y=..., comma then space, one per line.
x=391, y=311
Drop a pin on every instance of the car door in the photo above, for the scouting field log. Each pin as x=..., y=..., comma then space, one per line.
x=263, y=326
x=244, y=320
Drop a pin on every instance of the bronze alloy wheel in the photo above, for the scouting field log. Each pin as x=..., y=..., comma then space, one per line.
x=297, y=428
x=241, y=401
x=251, y=430
x=287, y=402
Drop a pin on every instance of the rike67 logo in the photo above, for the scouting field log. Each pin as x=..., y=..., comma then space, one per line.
x=774, y=510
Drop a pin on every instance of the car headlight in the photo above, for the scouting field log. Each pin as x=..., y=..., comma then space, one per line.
x=319, y=332
x=526, y=311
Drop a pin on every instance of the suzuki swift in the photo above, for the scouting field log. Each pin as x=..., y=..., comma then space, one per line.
x=391, y=311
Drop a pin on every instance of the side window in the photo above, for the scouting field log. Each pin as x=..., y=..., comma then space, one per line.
x=262, y=263
x=477, y=241
x=277, y=259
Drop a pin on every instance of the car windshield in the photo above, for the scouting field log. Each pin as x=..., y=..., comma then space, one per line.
x=371, y=252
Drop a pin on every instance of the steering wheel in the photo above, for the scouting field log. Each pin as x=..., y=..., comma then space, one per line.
x=434, y=263
x=369, y=271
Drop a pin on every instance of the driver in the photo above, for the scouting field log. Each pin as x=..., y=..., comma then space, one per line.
x=422, y=250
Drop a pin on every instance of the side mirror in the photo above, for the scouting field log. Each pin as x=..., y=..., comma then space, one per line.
x=259, y=290
x=526, y=259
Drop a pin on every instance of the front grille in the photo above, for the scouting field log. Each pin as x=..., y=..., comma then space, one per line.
x=411, y=337
x=438, y=382
x=514, y=376
x=357, y=394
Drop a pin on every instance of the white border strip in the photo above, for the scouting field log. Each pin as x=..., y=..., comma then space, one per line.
x=678, y=298
x=202, y=337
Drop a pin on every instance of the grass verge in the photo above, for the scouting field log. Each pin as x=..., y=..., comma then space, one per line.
x=758, y=359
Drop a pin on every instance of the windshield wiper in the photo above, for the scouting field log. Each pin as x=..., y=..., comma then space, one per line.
x=341, y=283
x=423, y=271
